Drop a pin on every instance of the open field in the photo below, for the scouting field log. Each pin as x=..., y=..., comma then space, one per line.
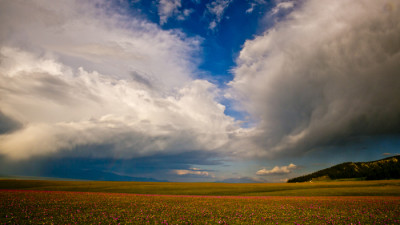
x=42, y=207
x=92, y=202
x=343, y=188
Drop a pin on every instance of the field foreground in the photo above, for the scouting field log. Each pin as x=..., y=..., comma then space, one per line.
x=334, y=188
x=58, y=207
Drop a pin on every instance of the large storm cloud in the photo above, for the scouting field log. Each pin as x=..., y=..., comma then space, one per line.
x=324, y=75
x=76, y=74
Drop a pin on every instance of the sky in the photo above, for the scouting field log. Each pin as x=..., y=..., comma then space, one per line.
x=196, y=90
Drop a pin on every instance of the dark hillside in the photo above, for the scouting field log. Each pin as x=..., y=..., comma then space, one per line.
x=388, y=168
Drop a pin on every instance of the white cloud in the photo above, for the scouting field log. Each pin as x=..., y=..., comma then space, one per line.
x=184, y=14
x=193, y=171
x=212, y=25
x=217, y=9
x=277, y=170
x=172, y=9
x=77, y=74
x=254, y=4
x=167, y=8
x=251, y=9
x=95, y=38
x=322, y=76
x=63, y=110
x=284, y=180
x=282, y=6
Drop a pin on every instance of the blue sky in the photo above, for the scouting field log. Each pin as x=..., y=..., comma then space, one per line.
x=220, y=46
x=203, y=91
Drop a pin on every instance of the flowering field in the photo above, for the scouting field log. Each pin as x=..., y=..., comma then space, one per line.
x=48, y=207
x=339, y=188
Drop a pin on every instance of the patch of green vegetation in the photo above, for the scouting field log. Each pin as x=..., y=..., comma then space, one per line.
x=330, y=188
x=323, y=178
x=328, y=179
x=351, y=179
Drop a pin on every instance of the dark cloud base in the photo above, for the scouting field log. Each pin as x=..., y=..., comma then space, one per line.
x=152, y=168
x=8, y=124
x=324, y=86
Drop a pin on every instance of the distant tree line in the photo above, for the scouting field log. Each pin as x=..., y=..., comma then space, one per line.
x=388, y=168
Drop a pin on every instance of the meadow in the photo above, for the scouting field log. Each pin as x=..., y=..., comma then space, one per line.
x=87, y=202
x=43, y=207
x=332, y=188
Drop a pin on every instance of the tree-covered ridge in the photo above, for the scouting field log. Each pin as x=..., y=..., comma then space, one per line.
x=388, y=168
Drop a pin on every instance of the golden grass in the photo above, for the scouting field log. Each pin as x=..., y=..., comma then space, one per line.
x=331, y=188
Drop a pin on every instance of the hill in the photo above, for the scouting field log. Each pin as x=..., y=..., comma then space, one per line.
x=387, y=168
